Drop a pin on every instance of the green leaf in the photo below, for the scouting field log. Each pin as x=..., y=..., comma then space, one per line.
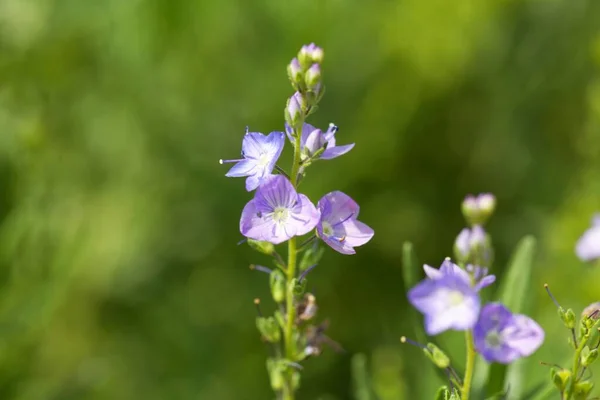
x=442, y=394
x=361, y=380
x=512, y=293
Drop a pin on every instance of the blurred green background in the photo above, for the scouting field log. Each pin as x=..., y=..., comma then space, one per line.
x=120, y=277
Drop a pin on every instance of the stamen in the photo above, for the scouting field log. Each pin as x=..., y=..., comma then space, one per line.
x=550, y=365
x=550, y=294
x=342, y=221
x=221, y=161
x=247, y=129
x=244, y=240
x=333, y=127
x=257, y=305
x=303, y=274
x=260, y=268
x=404, y=339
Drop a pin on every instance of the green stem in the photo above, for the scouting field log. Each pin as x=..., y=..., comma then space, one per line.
x=576, y=365
x=288, y=392
x=470, y=368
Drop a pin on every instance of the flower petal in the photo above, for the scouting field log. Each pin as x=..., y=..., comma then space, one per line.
x=588, y=246
x=524, y=336
x=356, y=233
x=242, y=168
x=304, y=216
x=432, y=273
x=277, y=191
x=337, y=207
x=256, y=225
x=252, y=144
x=336, y=151
x=485, y=282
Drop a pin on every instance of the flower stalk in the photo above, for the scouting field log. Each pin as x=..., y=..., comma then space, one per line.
x=470, y=367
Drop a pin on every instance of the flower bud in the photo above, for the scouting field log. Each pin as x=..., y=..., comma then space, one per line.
x=262, y=247
x=568, y=317
x=310, y=54
x=277, y=283
x=477, y=210
x=439, y=358
x=561, y=378
x=294, y=109
x=583, y=389
x=313, y=77
x=269, y=329
x=473, y=245
x=295, y=73
x=588, y=356
x=275, y=374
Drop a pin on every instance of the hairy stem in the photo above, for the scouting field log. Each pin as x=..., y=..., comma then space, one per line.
x=288, y=393
x=469, y=369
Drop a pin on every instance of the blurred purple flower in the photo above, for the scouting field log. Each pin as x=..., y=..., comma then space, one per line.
x=260, y=153
x=339, y=227
x=278, y=212
x=313, y=139
x=503, y=337
x=446, y=298
x=474, y=276
x=588, y=245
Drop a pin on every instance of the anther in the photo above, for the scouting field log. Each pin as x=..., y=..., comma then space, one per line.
x=550, y=294
x=404, y=339
x=257, y=305
x=244, y=240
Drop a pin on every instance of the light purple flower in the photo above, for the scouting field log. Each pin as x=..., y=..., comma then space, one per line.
x=260, y=153
x=313, y=139
x=474, y=276
x=339, y=227
x=446, y=298
x=503, y=337
x=588, y=245
x=278, y=212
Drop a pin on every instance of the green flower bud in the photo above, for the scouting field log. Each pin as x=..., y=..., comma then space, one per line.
x=437, y=356
x=269, y=329
x=583, y=389
x=567, y=317
x=262, y=247
x=561, y=378
x=588, y=356
x=275, y=374
x=313, y=77
x=295, y=73
x=277, y=283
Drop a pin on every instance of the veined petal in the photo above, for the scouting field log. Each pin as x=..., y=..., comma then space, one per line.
x=242, y=168
x=256, y=225
x=307, y=129
x=304, y=216
x=338, y=245
x=432, y=273
x=336, y=151
x=252, y=144
x=485, y=282
x=524, y=336
x=253, y=181
x=449, y=268
x=274, y=143
x=337, y=207
x=277, y=191
x=356, y=233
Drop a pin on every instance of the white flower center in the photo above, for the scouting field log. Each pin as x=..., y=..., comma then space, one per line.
x=263, y=160
x=455, y=297
x=327, y=228
x=493, y=339
x=280, y=215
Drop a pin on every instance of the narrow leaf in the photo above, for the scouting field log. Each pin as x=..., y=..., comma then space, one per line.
x=360, y=378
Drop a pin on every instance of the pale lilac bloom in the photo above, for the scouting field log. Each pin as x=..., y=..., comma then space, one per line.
x=278, y=212
x=446, y=298
x=260, y=153
x=313, y=139
x=588, y=245
x=339, y=227
x=469, y=240
x=503, y=337
x=475, y=276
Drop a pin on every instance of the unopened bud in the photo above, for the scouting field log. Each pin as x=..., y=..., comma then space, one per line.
x=561, y=378
x=262, y=247
x=313, y=76
x=275, y=374
x=477, y=209
x=568, y=317
x=277, y=283
x=310, y=54
x=295, y=73
x=269, y=329
x=588, y=356
x=294, y=109
x=583, y=389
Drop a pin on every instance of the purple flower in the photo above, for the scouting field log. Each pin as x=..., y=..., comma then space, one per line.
x=313, y=139
x=503, y=337
x=446, y=298
x=588, y=245
x=260, y=153
x=293, y=110
x=339, y=227
x=278, y=212
x=474, y=276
